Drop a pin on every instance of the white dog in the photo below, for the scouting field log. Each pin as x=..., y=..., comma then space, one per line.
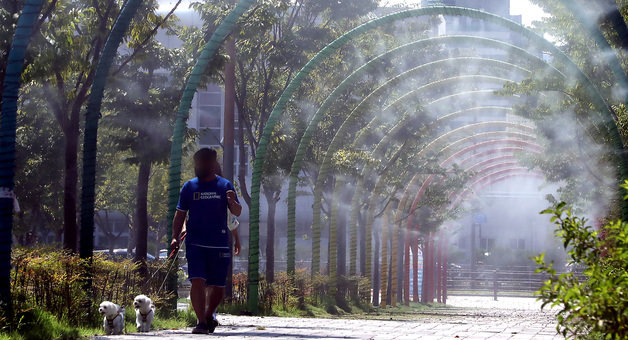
x=113, y=321
x=144, y=313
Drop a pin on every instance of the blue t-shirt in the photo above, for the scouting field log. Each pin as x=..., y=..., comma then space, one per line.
x=206, y=204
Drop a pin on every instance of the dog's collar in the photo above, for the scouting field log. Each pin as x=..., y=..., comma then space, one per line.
x=110, y=321
x=144, y=316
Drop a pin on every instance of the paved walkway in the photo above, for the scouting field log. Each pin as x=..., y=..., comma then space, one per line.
x=465, y=318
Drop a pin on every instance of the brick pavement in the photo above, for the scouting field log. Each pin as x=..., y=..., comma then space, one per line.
x=464, y=318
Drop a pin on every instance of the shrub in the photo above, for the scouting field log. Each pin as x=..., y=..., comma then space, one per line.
x=592, y=304
x=55, y=282
x=35, y=324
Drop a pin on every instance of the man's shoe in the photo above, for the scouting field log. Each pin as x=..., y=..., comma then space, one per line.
x=212, y=324
x=200, y=328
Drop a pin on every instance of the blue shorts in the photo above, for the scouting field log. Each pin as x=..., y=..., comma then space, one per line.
x=210, y=264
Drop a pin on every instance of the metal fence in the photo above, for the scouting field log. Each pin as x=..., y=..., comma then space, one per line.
x=511, y=282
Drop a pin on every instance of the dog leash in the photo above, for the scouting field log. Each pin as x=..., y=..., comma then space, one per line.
x=165, y=262
x=162, y=265
x=172, y=262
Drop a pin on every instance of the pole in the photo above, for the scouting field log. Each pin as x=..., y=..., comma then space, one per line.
x=445, y=270
x=495, y=285
x=472, y=255
x=439, y=269
x=228, y=155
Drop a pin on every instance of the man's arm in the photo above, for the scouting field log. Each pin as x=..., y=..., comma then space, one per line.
x=177, y=227
x=233, y=204
x=236, y=241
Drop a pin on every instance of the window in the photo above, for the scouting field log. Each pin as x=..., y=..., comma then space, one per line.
x=462, y=242
x=518, y=243
x=209, y=98
x=209, y=137
x=209, y=116
x=487, y=243
x=119, y=226
x=237, y=161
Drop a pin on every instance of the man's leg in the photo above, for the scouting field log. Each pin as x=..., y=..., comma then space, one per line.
x=216, y=279
x=197, y=295
x=215, y=294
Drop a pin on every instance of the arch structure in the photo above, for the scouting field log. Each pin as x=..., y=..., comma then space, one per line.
x=444, y=145
x=93, y=114
x=601, y=118
x=8, y=126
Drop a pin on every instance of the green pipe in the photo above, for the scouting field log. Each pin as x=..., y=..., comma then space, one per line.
x=610, y=54
x=174, y=182
x=325, y=167
x=343, y=40
x=375, y=192
x=306, y=139
x=358, y=74
x=92, y=116
x=355, y=201
x=8, y=125
x=335, y=144
x=386, y=85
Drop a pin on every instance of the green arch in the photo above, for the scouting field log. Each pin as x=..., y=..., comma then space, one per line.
x=608, y=52
x=466, y=149
x=298, y=160
x=322, y=55
x=355, y=201
x=295, y=83
x=8, y=124
x=218, y=37
x=93, y=113
x=307, y=136
x=90, y=137
x=360, y=185
x=336, y=143
x=379, y=186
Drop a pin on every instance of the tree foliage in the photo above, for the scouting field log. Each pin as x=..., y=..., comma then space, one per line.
x=592, y=304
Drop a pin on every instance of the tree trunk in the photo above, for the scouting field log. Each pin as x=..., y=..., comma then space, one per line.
x=341, y=265
x=70, y=227
x=362, y=238
x=400, y=265
x=272, y=198
x=428, y=271
x=406, y=267
x=439, y=266
x=229, y=114
x=415, y=269
x=384, y=263
x=141, y=214
x=375, y=279
x=242, y=161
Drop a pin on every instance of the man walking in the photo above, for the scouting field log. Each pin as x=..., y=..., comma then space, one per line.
x=205, y=200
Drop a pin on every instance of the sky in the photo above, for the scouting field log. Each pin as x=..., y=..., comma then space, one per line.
x=529, y=11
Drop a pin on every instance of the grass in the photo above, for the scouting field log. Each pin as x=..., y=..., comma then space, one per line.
x=39, y=325
x=35, y=324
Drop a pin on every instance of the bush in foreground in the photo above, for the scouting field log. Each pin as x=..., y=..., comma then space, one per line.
x=593, y=304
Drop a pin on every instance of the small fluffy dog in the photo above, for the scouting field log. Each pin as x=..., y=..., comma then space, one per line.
x=144, y=313
x=113, y=321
